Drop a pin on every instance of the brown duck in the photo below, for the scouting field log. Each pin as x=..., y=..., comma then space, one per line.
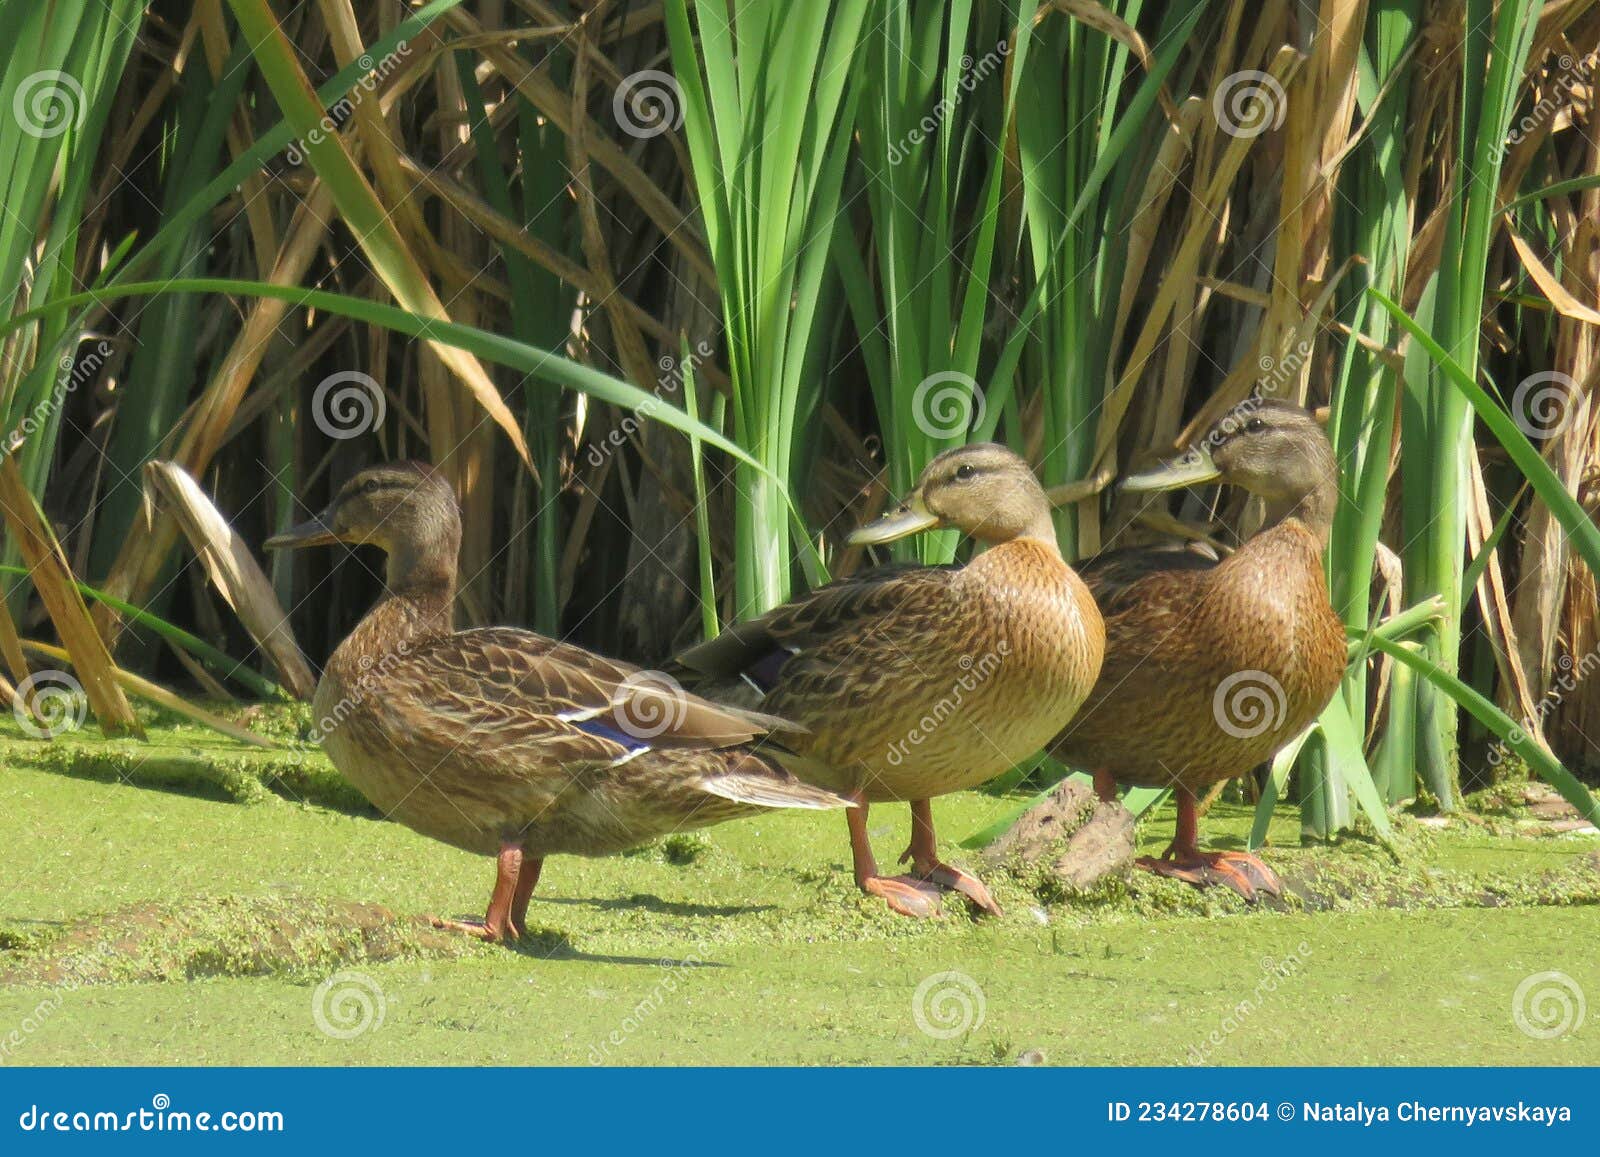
x=505, y=743
x=1211, y=668
x=916, y=681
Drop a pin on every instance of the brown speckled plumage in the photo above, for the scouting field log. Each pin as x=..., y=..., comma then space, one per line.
x=460, y=736
x=503, y=742
x=914, y=682
x=917, y=681
x=1211, y=668
x=1176, y=633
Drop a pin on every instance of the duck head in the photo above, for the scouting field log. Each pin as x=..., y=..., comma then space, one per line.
x=983, y=490
x=406, y=509
x=1275, y=450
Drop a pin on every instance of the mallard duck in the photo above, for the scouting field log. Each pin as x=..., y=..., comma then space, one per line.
x=1211, y=668
x=916, y=681
x=502, y=742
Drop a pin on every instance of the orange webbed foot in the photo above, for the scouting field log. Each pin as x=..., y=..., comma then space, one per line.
x=1238, y=871
x=906, y=895
x=1251, y=868
x=955, y=879
x=477, y=929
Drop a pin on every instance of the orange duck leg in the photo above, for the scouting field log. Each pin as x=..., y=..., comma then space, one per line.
x=906, y=895
x=926, y=865
x=508, y=904
x=1183, y=859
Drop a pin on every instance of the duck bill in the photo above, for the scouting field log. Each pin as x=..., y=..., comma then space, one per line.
x=911, y=517
x=312, y=532
x=1192, y=469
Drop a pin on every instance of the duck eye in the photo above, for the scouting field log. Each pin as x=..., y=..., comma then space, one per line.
x=965, y=472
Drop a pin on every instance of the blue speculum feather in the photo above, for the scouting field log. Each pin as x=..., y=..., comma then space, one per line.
x=764, y=671
x=602, y=731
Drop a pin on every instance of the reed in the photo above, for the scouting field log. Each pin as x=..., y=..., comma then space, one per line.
x=805, y=248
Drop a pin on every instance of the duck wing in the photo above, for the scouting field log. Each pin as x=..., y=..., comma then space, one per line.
x=511, y=726
x=1120, y=580
x=543, y=675
x=517, y=699
x=759, y=650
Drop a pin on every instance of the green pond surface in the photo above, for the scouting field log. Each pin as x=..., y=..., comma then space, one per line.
x=187, y=901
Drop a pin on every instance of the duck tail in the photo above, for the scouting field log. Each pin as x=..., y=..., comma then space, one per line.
x=762, y=781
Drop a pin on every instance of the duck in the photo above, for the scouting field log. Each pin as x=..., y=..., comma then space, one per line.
x=1212, y=667
x=502, y=742
x=911, y=681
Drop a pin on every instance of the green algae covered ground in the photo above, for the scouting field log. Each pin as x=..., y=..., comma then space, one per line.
x=190, y=901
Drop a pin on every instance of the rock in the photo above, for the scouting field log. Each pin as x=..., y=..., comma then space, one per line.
x=1044, y=826
x=1102, y=848
x=1077, y=840
x=1545, y=803
x=1567, y=826
x=225, y=936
